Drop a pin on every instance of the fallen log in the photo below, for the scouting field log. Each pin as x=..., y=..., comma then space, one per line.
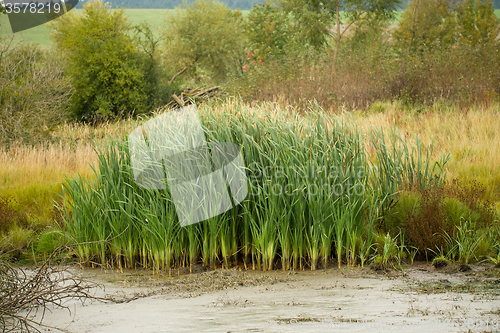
x=189, y=96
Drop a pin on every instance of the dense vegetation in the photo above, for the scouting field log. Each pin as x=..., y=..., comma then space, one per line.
x=311, y=187
x=312, y=60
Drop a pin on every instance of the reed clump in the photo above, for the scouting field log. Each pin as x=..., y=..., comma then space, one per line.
x=314, y=193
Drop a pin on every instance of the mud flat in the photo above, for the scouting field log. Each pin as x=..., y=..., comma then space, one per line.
x=418, y=299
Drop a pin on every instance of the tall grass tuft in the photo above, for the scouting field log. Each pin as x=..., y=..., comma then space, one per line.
x=314, y=191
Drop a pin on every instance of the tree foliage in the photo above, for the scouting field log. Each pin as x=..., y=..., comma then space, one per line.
x=477, y=23
x=107, y=69
x=204, y=38
x=316, y=18
x=426, y=25
x=312, y=22
x=430, y=25
x=268, y=30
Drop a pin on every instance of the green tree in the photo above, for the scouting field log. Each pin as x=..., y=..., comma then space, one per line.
x=107, y=69
x=315, y=18
x=268, y=30
x=204, y=38
x=477, y=23
x=425, y=25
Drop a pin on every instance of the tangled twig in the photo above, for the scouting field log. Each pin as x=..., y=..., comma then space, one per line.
x=25, y=294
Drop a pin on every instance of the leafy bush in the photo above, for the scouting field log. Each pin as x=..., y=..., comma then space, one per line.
x=19, y=229
x=426, y=228
x=15, y=241
x=268, y=30
x=472, y=194
x=110, y=73
x=49, y=240
x=456, y=210
x=442, y=218
x=396, y=220
x=10, y=216
x=204, y=38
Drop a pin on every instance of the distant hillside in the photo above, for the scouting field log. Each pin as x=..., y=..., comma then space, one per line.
x=233, y=4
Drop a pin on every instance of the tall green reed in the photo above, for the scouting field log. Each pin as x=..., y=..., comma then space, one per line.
x=313, y=192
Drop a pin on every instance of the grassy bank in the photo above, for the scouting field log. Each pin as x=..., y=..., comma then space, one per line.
x=32, y=176
x=31, y=181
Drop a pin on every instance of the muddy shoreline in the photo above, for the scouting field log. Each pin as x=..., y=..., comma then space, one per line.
x=418, y=299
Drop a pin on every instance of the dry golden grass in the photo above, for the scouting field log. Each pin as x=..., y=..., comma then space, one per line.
x=33, y=175
x=472, y=138
x=30, y=165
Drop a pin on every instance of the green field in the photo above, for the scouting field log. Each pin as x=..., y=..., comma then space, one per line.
x=40, y=34
x=154, y=17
